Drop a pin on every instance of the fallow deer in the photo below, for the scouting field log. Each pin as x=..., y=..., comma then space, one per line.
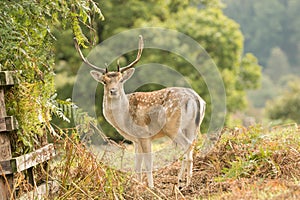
x=141, y=117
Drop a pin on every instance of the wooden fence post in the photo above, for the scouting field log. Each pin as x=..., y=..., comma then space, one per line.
x=7, y=124
x=8, y=164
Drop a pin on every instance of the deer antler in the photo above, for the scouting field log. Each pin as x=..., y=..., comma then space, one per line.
x=141, y=46
x=103, y=71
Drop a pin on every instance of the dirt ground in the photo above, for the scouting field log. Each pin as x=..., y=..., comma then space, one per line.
x=275, y=173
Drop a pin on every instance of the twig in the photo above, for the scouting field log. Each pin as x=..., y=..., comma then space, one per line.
x=177, y=191
x=148, y=189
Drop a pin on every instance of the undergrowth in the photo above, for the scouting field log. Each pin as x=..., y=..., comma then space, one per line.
x=80, y=175
x=246, y=163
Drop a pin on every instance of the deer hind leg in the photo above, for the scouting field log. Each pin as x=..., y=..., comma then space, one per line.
x=186, y=167
x=184, y=143
x=189, y=166
x=185, y=139
x=181, y=173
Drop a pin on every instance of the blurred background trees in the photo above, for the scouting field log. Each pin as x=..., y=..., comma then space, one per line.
x=205, y=22
x=285, y=107
x=245, y=39
x=272, y=32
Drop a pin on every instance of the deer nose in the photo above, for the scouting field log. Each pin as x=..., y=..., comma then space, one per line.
x=113, y=91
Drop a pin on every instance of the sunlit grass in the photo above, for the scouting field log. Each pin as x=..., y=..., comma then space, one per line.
x=258, y=163
x=246, y=163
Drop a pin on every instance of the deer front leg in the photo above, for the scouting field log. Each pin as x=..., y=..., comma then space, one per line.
x=144, y=153
x=148, y=162
x=138, y=161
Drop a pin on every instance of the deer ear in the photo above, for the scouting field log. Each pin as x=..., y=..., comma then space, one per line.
x=97, y=75
x=127, y=74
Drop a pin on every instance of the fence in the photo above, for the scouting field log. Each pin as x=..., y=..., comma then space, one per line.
x=9, y=165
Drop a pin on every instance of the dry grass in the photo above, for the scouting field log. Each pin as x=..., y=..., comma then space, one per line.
x=80, y=175
x=253, y=163
x=249, y=163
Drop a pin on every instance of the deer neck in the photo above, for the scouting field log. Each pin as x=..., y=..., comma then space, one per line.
x=116, y=110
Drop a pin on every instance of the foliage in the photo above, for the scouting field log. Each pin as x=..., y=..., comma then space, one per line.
x=27, y=46
x=250, y=73
x=287, y=105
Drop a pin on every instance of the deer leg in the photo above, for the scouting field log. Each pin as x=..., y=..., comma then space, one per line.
x=191, y=135
x=186, y=166
x=181, y=172
x=147, y=152
x=189, y=166
x=185, y=140
x=184, y=143
x=138, y=161
x=149, y=166
x=143, y=152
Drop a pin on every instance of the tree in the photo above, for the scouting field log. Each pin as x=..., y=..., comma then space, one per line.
x=286, y=107
x=266, y=92
x=250, y=72
x=277, y=65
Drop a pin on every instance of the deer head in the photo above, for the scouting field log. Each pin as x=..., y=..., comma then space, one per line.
x=113, y=81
